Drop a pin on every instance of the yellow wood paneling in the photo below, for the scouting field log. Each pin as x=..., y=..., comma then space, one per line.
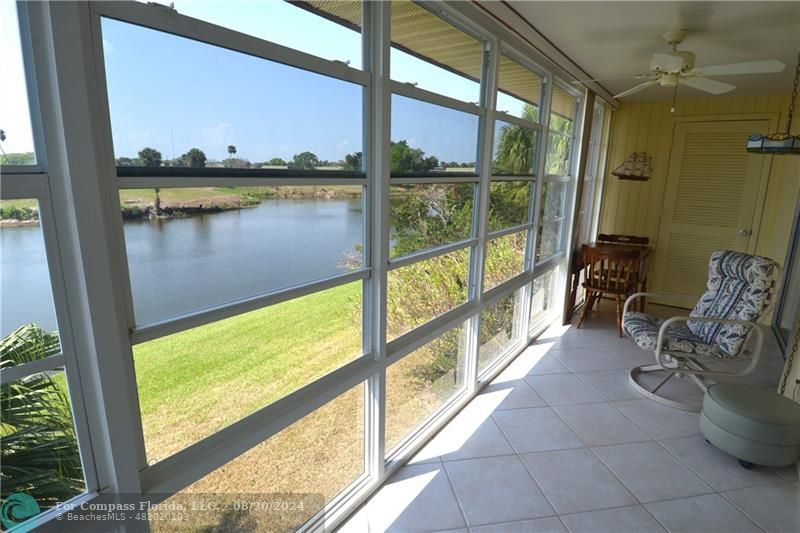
x=636, y=207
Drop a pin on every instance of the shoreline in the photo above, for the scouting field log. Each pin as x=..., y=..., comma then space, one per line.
x=139, y=209
x=15, y=223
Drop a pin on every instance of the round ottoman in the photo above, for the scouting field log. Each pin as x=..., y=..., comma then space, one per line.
x=754, y=425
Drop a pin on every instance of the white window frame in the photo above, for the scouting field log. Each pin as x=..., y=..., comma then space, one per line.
x=65, y=61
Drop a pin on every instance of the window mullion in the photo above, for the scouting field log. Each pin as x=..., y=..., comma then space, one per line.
x=377, y=29
x=75, y=144
x=477, y=261
x=541, y=151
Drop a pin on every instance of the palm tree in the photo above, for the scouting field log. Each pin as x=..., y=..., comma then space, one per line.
x=515, y=149
x=231, y=150
x=40, y=450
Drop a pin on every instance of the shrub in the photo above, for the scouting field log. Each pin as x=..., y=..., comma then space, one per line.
x=40, y=450
x=14, y=212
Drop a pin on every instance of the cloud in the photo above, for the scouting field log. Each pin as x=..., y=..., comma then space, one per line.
x=141, y=137
x=216, y=136
x=108, y=47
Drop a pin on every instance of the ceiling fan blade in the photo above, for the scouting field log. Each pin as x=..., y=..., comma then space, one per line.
x=749, y=67
x=709, y=86
x=633, y=77
x=666, y=62
x=636, y=89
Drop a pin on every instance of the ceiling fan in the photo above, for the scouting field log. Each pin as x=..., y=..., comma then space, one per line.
x=677, y=67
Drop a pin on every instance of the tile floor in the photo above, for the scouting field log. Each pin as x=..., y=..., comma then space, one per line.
x=559, y=441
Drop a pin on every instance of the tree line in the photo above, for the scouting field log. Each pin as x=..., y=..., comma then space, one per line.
x=403, y=158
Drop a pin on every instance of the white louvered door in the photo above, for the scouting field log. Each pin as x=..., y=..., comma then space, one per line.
x=713, y=191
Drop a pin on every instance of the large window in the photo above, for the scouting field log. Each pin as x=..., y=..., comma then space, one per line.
x=505, y=258
x=288, y=259
x=558, y=179
x=514, y=149
x=552, y=219
x=40, y=462
x=429, y=53
x=499, y=329
x=560, y=138
x=277, y=117
x=420, y=383
x=262, y=355
x=519, y=90
x=194, y=248
x=591, y=180
x=331, y=30
x=16, y=136
x=425, y=216
x=544, y=297
x=428, y=138
x=301, y=469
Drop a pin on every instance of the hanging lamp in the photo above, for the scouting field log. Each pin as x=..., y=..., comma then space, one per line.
x=779, y=143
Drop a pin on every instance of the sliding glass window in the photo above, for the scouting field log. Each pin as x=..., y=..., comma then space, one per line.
x=558, y=181
x=243, y=209
x=16, y=135
x=45, y=451
x=431, y=54
x=300, y=298
x=335, y=26
x=40, y=463
x=195, y=121
x=435, y=132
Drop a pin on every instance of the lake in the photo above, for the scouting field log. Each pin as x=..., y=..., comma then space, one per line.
x=187, y=264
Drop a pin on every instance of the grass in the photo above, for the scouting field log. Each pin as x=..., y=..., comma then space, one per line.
x=196, y=382
x=32, y=204
x=229, y=196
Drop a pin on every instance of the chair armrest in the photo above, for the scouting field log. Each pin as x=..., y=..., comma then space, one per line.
x=753, y=327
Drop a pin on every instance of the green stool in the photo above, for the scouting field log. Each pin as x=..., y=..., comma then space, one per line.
x=755, y=425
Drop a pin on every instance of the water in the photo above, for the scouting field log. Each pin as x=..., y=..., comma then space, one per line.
x=24, y=280
x=188, y=264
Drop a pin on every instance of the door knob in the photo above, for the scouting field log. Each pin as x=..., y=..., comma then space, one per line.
x=744, y=232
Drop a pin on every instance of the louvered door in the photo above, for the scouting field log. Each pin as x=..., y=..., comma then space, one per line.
x=713, y=189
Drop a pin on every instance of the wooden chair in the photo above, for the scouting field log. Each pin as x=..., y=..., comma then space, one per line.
x=608, y=274
x=613, y=238
x=630, y=240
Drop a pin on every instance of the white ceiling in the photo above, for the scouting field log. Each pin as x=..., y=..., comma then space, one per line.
x=616, y=39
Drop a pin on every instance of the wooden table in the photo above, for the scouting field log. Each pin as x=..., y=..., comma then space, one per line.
x=644, y=254
x=644, y=251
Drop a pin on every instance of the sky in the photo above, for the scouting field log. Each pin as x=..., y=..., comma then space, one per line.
x=173, y=94
x=14, y=115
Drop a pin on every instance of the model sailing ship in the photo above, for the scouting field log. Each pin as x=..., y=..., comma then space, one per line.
x=638, y=167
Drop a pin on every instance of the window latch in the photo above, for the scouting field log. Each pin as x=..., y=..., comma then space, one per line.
x=171, y=5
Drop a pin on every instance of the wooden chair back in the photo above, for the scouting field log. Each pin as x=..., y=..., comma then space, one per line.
x=610, y=271
x=613, y=238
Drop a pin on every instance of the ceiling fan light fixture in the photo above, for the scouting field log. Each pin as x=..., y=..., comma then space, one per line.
x=779, y=143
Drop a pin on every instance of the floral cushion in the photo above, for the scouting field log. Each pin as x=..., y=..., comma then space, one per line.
x=643, y=329
x=739, y=286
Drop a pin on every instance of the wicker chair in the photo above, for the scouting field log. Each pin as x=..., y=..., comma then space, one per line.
x=738, y=294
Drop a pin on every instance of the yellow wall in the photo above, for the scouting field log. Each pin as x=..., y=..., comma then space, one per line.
x=635, y=207
x=632, y=207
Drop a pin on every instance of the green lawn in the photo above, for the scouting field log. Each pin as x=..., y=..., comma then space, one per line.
x=19, y=203
x=228, y=196
x=198, y=381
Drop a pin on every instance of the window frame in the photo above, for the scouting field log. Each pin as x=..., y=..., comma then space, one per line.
x=34, y=184
x=199, y=459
